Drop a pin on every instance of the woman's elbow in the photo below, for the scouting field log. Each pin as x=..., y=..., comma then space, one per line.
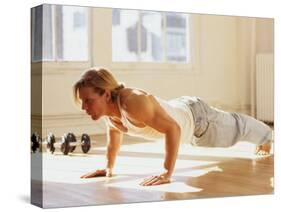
x=175, y=129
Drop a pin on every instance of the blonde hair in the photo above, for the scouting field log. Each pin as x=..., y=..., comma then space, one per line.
x=100, y=80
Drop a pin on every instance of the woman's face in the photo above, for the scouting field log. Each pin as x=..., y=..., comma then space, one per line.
x=93, y=103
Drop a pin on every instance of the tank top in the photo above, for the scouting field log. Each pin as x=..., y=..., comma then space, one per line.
x=175, y=108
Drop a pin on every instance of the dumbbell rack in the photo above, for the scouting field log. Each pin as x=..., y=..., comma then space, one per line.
x=67, y=144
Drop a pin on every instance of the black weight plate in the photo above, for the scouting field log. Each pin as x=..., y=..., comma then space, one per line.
x=35, y=142
x=65, y=148
x=85, y=143
x=72, y=148
x=72, y=139
x=51, y=140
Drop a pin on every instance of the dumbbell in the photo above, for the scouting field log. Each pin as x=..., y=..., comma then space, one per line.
x=68, y=143
x=51, y=140
x=35, y=142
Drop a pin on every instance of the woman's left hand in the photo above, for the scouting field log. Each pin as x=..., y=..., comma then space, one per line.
x=156, y=180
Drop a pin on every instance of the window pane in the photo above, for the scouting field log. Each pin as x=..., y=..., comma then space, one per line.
x=47, y=33
x=176, y=37
x=41, y=22
x=36, y=28
x=148, y=36
x=151, y=36
x=125, y=35
x=72, y=33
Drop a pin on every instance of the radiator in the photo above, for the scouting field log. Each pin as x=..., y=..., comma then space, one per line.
x=265, y=87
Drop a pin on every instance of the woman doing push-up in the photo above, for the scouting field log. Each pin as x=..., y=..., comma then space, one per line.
x=138, y=113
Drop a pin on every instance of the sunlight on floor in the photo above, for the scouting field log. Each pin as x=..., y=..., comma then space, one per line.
x=178, y=187
x=69, y=169
x=198, y=172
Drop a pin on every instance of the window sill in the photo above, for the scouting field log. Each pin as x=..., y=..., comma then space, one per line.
x=140, y=68
x=60, y=67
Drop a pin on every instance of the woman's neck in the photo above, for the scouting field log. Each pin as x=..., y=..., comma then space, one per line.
x=113, y=110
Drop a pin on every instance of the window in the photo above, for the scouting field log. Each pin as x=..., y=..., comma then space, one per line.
x=59, y=33
x=145, y=36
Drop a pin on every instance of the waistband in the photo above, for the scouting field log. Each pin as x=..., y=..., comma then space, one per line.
x=199, y=110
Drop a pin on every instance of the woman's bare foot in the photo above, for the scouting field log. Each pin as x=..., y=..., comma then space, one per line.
x=263, y=149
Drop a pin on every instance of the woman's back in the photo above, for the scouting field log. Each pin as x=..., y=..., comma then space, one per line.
x=175, y=108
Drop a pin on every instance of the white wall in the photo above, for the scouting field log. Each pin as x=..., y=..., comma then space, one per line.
x=221, y=74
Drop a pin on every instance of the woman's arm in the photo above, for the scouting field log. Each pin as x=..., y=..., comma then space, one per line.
x=145, y=109
x=114, y=140
x=172, y=145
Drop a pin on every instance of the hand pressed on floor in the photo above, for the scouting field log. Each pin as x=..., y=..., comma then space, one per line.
x=156, y=180
x=97, y=173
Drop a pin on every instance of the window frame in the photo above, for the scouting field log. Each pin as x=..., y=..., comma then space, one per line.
x=58, y=63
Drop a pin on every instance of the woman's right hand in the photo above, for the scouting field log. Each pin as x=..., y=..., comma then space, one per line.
x=97, y=173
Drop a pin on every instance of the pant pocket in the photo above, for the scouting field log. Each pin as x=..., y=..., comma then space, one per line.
x=207, y=139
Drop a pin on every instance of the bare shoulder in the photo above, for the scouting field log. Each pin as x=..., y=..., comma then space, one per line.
x=134, y=100
x=142, y=107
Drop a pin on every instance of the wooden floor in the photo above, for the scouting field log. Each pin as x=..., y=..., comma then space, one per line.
x=199, y=173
